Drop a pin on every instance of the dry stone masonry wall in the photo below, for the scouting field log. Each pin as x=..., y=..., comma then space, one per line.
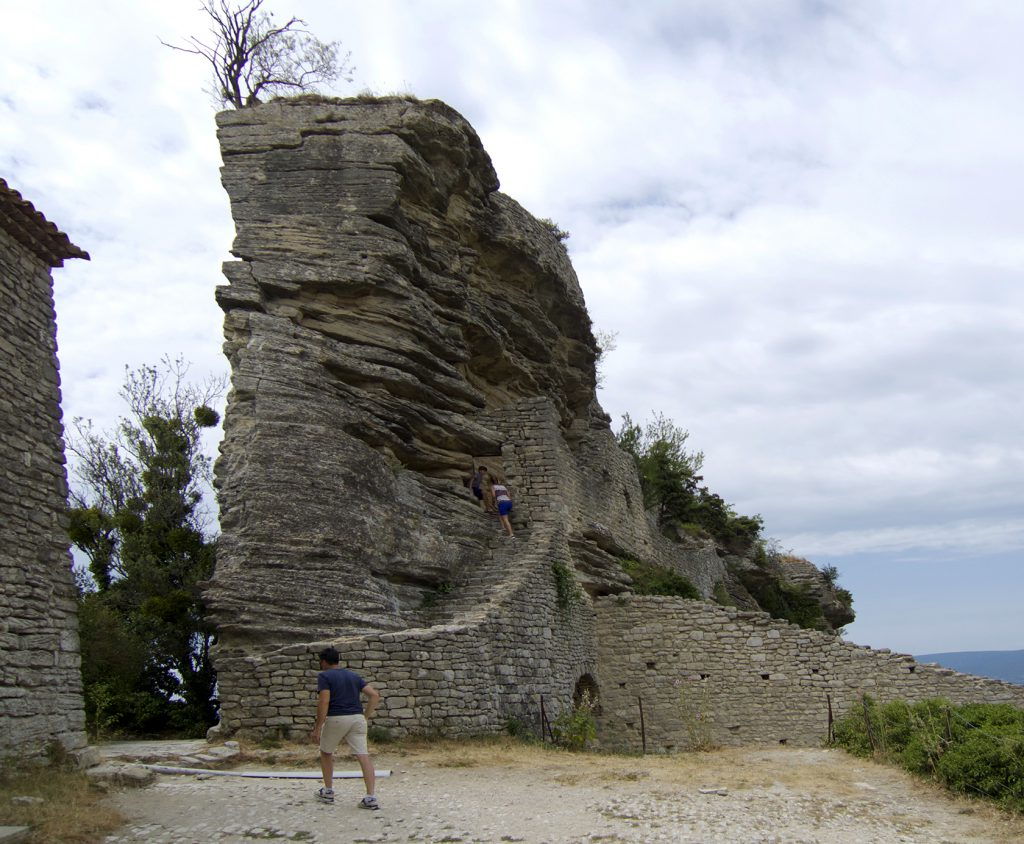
x=40, y=681
x=708, y=674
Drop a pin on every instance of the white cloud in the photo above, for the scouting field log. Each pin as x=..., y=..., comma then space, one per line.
x=801, y=219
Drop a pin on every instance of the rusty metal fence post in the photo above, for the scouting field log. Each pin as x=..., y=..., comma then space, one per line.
x=643, y=726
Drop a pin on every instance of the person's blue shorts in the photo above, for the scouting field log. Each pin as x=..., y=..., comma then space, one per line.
x=504, y=507
x=479, y=493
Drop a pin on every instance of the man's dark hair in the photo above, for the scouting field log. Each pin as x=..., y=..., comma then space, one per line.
x=330, y=656
x=481, y=468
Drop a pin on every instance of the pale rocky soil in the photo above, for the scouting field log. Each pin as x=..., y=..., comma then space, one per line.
x=506, y=792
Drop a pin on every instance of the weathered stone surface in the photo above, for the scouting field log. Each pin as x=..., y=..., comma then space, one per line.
x=391, y=321
x=40, y=682
x=131, y=776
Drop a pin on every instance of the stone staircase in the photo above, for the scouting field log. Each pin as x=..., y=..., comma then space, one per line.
x=477, y=591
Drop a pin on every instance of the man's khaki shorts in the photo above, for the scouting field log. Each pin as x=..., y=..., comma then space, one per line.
x=352, y=728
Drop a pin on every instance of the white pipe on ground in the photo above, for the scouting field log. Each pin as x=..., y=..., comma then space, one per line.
x=265, y=775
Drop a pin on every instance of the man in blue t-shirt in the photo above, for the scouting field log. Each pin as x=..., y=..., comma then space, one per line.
x=339, y=715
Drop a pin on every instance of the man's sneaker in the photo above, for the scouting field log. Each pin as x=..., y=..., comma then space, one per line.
x=325, y=795
x=369, y=803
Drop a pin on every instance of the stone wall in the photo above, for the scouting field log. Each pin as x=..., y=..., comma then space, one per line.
x=712, y=674
x=40, y=680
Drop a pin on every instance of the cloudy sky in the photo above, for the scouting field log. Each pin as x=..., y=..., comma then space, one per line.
x=802, y=219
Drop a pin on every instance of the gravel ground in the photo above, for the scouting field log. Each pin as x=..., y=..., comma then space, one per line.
x=480, y=793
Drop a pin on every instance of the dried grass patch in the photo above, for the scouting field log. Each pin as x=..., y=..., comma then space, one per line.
x=72, y=810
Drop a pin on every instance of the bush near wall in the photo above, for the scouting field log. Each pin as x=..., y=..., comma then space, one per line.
x=783, y=600
x=650, y=579
x=976, y=749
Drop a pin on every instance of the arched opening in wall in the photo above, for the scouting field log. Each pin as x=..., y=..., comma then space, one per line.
x=587, y=689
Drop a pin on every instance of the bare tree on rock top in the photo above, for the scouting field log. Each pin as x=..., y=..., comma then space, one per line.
x=251, y=55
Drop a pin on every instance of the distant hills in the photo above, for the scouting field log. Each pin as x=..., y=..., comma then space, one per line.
x=1000, y=665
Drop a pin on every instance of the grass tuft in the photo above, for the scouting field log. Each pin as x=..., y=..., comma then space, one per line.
x=72, y=810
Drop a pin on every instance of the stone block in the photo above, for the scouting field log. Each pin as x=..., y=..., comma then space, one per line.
x=129, y=776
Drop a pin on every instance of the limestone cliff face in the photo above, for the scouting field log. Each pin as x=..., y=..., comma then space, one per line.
x=391, y=321
x=385, y=299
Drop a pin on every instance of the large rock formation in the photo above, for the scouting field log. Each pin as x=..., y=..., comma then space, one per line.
x=389, y=312
x=393, y=320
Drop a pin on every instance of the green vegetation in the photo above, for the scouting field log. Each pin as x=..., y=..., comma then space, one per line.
x=136, y=515
x=976, y=749
x=607, y=342
x=782, y=600
x=63, y=806
x=696, y=715
x=433, y=596
x=575, y=727
x=379, y=735
x=721, y=595
x=567, y=590
x=518, y=729
x=560, y=234
x=684, y=507
x=651, y=579
x=671, y=485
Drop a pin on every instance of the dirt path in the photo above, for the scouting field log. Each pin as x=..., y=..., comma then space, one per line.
x=512, y=793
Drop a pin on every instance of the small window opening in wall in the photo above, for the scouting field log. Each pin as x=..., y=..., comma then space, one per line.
x=629, y=724
x=911, y=668
x=622, y=685
x=735, y=728
x=651, y=665
x=626, y=495
x=765, y=676
x=669, y=748
x=783, y=741
x=814, y=670
x=704, y=676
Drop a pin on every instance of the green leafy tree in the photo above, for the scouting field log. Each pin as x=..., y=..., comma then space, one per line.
x=672, y=486
x=668, y=472
x=137, y=515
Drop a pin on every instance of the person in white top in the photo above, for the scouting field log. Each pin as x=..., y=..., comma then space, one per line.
x=504, y=502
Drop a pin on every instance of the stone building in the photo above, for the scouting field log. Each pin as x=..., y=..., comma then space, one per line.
x=40, y=679
x=393, y=320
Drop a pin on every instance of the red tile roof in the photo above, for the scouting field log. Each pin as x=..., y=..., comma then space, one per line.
x=30, y=228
